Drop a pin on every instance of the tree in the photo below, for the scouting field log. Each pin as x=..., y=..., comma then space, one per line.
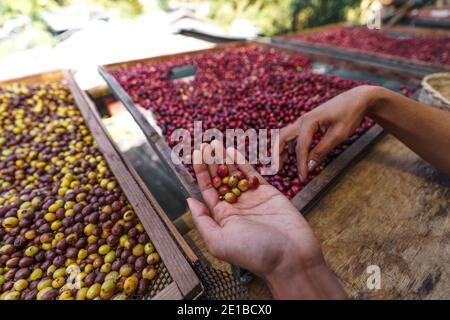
x=279, y=16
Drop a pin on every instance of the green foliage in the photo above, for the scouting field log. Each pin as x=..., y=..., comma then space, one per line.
x=10, y=9
x=29, y=37
x=36, y=33
x=314, y=13
x=34, y=8
x=127, y=8
x=163, y=4
x=279, y=16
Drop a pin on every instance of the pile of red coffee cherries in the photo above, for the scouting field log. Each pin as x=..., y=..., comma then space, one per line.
x=433, y=49
x=230, y=187
x=256, y=87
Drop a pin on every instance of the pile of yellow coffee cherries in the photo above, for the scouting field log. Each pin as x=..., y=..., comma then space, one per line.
x=66, y=229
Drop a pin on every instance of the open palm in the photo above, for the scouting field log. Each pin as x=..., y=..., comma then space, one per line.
x=262, y=232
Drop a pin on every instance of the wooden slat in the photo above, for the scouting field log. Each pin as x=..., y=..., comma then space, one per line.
x=189, y=253
x=438, y=24
x=418, y=30
x=294, y=34
x=47, y=77
x=171, y=292
x=178, y=267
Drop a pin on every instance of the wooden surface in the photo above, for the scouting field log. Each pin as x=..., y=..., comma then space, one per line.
x=391, y=209
x=418, y=30
x=302, y=200
x=171, y=292
x=177, y=265
x=51, y=76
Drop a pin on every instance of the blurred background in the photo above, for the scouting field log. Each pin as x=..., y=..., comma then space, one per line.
x=42, y=35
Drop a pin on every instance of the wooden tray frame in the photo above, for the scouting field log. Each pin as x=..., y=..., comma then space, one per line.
x=417, y=67
x=185, y=283
x=303, y=201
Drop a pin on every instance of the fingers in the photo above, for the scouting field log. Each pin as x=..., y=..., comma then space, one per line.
x=221, y=153
x=245, y=167
x=331, y=139
x=287, y=134
x=209, y=158
x=209, y=193
x=302, y=148
x=282, y=159
x=206, y=226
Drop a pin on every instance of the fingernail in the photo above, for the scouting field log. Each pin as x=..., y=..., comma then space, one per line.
x=301, y=178
x=311, y=165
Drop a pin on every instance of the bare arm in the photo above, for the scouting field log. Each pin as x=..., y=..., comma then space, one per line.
x=426, y=130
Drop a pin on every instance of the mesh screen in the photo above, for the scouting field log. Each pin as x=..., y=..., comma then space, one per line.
x=162, y=280
x=218, y=284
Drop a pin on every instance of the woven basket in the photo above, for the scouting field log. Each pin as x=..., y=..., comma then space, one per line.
x=433, y=95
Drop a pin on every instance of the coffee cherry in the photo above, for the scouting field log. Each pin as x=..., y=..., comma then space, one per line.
x=223, y=190
x=236, y=191
x=222, y=171
x=230, y=197
x=243, y=185
x=232, y=181
x=216, y=182
x=238, y=174
x=153, y=258
x=253, y=182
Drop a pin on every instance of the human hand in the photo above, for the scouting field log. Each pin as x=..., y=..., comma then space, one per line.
x=263, y=233
x=336, y=119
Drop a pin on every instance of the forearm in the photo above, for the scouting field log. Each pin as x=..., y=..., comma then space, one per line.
x=299, y=283
x=424, y=129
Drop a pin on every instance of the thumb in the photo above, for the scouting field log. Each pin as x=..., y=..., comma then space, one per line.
x=287, y=134
x=206, y=226
x=324, y=147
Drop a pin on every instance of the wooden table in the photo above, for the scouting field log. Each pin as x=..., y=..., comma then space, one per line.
x=391, y=209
